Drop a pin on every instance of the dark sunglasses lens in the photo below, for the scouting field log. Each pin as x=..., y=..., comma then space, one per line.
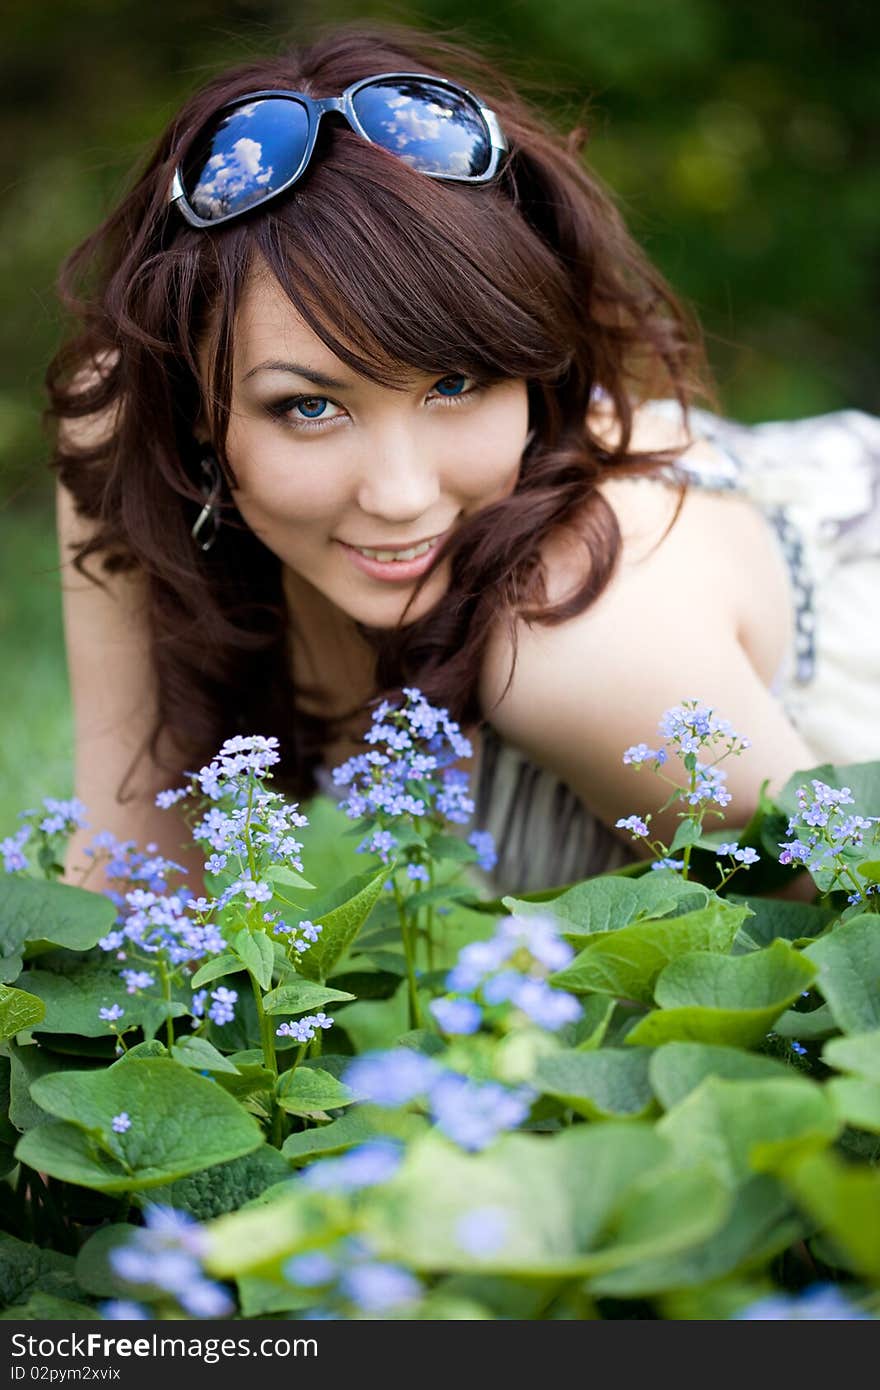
x=435, y=130
x=250, y=153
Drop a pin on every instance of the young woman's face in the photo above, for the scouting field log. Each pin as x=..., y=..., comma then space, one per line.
x=326, y=470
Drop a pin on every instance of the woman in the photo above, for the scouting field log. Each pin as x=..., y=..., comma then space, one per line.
x=313, y=337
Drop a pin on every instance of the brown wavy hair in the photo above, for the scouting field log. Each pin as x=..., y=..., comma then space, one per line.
x=534, y=276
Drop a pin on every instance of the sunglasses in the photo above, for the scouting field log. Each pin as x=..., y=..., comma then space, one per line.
x=257, y=146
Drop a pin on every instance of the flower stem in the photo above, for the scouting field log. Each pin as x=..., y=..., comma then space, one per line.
x=406, y=935
x=267, y=1037
x=166, y=995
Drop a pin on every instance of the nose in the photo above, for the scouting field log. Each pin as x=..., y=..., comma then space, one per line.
x=399, y=480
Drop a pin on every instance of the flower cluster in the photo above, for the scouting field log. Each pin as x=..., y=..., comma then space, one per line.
x=252, y=814
x=510, y=969
x=821, y=832
x=303, y=1030
x=222, y=1008
x=688, y=728
x=128, y=865
x=470, y=1113
x=349, y=1277
x=56, y=818
x=167, y=1254
x=159, y=924
x=408, y=775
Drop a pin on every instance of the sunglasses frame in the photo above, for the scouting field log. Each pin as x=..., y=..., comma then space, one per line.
x=343, y=105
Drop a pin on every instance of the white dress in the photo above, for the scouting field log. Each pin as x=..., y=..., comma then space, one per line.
x=818, y=482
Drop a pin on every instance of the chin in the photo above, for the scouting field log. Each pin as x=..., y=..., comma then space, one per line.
x=385, y=611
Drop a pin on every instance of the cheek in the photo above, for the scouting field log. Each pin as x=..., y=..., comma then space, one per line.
x=279, y=483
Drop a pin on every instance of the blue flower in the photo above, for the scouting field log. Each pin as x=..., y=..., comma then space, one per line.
x=311, y=1269
x=368, y=1165
x=123, y=1310
x=484, y=843
x=457, y=1015
x=820, y=1302
x=391, y=1078
x=634, y=824
x=121, y=1122
x=378, y=1287
x=222, y=1011
x=473, y=1114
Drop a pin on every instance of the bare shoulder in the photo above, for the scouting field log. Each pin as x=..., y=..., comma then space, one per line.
x=697, y=606
x=711, y=552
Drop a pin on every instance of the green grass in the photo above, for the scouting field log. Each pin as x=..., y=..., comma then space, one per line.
x=36, y=747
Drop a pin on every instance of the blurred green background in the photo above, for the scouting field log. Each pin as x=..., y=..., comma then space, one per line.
x=739, y=136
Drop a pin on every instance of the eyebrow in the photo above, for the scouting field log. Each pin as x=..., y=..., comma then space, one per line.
x=317, y=378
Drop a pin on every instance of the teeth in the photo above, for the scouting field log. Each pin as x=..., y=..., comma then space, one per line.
x=411, y=554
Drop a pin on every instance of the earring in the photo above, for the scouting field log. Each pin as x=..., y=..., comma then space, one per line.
x=212, y=484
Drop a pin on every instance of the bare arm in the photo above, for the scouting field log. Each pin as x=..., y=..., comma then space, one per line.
x=112, y=688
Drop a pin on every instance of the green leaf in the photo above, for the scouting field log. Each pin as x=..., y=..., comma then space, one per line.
x=844, y=1199
x=627, y=962
x=153, y=1048
x=340, y=924
x=257, y=952
x=687, y=833
x=311, y=1091
x=38, y=910
x=856, y=1101
x=374, y=1024
x=201, y=1055
x=739, y=1126
x=607, y=1197
x=760, y=1225
x=25, y=1269
x=775, y=918
x=804, y=1024
x=94, y=1273
x=47, y=1307
x=849, y=970
x=250, y=1078
x=724, y=999
x=302, y=998
x=180, y=1123
x=360, y=1123
x=226, y=1186
x=869, y=869
x=215, y=969
x=280, y=873
x=27, y=1064
x=8, y=1132
x=859, y=1054
x=590, y=1029
x=452, y=847
x=612, y=1082
x=607, y=903
x=679, y=1067
x=18, y=1010
x=73, y=999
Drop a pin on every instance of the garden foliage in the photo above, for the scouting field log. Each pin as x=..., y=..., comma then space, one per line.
x=346, y=1084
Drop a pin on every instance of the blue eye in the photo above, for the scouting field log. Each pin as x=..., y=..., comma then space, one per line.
x=457, y=377
x=301, y=404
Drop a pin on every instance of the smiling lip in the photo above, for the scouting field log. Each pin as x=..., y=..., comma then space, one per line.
x=394, y=571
